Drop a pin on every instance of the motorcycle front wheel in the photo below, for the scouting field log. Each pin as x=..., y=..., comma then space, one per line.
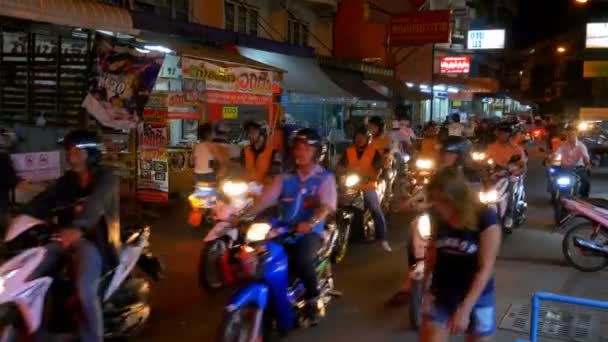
x=558, y=209
x=415, y=307
x=369, y=226
x=584, y=260
x=339, y=252
x=210, y=273
x=242, y=326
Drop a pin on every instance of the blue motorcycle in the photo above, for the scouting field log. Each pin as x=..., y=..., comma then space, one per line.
x=269, y=294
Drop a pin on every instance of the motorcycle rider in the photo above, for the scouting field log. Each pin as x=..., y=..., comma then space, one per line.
x=455, y=153
x=364, y=159
x=319, y=187
x=501, y=152
x=430, y=144
x=94, y=232
x=574, y=153
x=260, y=159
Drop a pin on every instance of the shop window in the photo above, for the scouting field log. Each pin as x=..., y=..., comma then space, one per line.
x=297, y=32
x=241, y=18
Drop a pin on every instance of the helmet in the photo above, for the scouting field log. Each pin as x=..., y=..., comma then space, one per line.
x=456, y=144
x=309, y=136
x=255, y=124
x=87, y=141
x=505, y=127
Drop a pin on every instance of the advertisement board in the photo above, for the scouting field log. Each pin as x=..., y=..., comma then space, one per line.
x=38, y=166
x=153, y=176
x=486, y=39
x=455, y=65
x=228, y=79
x=597, y=36
x=420, y=28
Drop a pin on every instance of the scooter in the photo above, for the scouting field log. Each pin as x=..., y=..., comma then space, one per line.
x=35, y=275
x=269, y=294
x=235, y=196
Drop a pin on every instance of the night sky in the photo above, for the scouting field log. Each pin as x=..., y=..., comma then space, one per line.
x=540, y=19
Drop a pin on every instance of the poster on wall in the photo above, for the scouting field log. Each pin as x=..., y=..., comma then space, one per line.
x=228, y=79
x=153, y=176
x=152, y=132
x=118, y=94
x=37, y=167
x=184, y=105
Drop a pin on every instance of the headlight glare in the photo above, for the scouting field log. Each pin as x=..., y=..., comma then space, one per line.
x=352, y=180
x=488, y=197
x=563, y=181
x=424, y=226
x=424, y=164
x=257, y=232
x=234, y=189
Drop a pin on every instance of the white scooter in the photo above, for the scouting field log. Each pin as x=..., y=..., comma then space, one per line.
x=37, y=301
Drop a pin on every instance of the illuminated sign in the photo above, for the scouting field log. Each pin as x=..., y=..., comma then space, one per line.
x=455, y=65
x=597, y=35
x=486, y=39
x=420, y=28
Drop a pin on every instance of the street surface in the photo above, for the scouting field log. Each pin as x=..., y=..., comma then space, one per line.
x=530, y=260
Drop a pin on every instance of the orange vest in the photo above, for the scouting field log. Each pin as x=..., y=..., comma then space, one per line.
x=364, y=165
x=257, y=168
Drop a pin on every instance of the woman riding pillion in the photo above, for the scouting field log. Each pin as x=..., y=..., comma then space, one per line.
x=454, y=153
x=460, y=256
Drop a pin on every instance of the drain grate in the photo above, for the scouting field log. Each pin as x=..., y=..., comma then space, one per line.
x=556, y=322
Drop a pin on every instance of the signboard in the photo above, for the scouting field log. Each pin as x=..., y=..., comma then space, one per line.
x=184, y=105
x=420, y=28
x=230, y=112
x=153, y=131
x=597, y=36
x=228, y=79
x=595, y=69
x=593, y=113
x=38, y=166
x=153, y=176
x=455, y=65
x=221, y=97
x=125, y=79
x=486, y=39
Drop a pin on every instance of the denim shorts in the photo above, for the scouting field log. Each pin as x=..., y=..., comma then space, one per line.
x=483, y=314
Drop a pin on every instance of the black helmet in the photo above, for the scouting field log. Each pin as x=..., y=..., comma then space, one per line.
x=309, y=136
x=87, y=141
x=456, y=144
x=378, y=121
x=505, y=127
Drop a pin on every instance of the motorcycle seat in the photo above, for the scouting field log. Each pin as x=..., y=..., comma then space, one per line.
x=597, y=202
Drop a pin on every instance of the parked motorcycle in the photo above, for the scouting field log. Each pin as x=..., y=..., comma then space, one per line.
x=585, y=245
x=495, y=187
x=34, y=287
x=269, y=295
x=235, y=196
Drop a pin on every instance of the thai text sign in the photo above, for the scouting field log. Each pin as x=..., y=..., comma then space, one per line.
x=455, y=65
x=228, y=79
x=220, y=97
x=486, y=39
x=420, y=28
x=37, y=167
x=153, y=130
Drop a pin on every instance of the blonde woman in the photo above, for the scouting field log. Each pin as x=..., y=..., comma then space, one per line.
x=460, y=257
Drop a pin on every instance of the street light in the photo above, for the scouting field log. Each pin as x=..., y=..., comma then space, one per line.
x=561, y=49
x=582, y=1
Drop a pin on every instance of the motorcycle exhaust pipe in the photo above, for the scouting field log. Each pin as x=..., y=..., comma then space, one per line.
x=590, y=245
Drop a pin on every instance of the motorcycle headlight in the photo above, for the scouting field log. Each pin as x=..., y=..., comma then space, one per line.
x=563, y=181
x=234, y=189
x=195, y=202
x=478, y=156
x=424, y=164
x=257, y=232
x=406, y=158
x=490, y=161
x=583, y=126
x=488, y=197
x=351, y=180
x=424, y=226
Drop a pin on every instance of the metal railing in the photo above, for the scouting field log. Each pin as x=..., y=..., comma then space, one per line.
x=550, y=297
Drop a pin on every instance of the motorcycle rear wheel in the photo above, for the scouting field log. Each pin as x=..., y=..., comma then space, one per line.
x=415, y=307
x=573, y=253
x=209, y=266
x=239, y=326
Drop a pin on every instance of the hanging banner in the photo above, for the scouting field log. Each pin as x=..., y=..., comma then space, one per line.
x=38, y=166
x=124, y=82
x=420, y=28
x=153, y=176
x=153, y=130
x=228, y=79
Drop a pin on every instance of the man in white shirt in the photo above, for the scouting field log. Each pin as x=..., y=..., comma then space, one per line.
x=574, y=154
x=455, y=128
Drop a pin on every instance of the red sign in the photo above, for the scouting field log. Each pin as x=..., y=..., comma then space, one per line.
x=455, y=65
x=420, y=28
x=230, y=98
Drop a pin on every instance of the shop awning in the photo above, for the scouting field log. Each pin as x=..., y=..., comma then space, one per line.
x=221, y=57
x=472, y=85
x=398, y=88
x=74, y=13
x=353, y=83
x=304, y=75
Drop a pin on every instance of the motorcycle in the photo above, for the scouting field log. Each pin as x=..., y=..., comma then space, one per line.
x=495, y=188
x=585, y=245
x=269, y=295
x=34, y=287
x=565, y=183
x=419, y=177
x=234, y=198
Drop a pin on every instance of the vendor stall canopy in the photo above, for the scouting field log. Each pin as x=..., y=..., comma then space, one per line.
x=304, y=76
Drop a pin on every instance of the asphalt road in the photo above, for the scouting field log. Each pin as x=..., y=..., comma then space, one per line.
x=367, y=277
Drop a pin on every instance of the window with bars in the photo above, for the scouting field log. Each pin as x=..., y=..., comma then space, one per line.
x=240, y=17
x=297, y=32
